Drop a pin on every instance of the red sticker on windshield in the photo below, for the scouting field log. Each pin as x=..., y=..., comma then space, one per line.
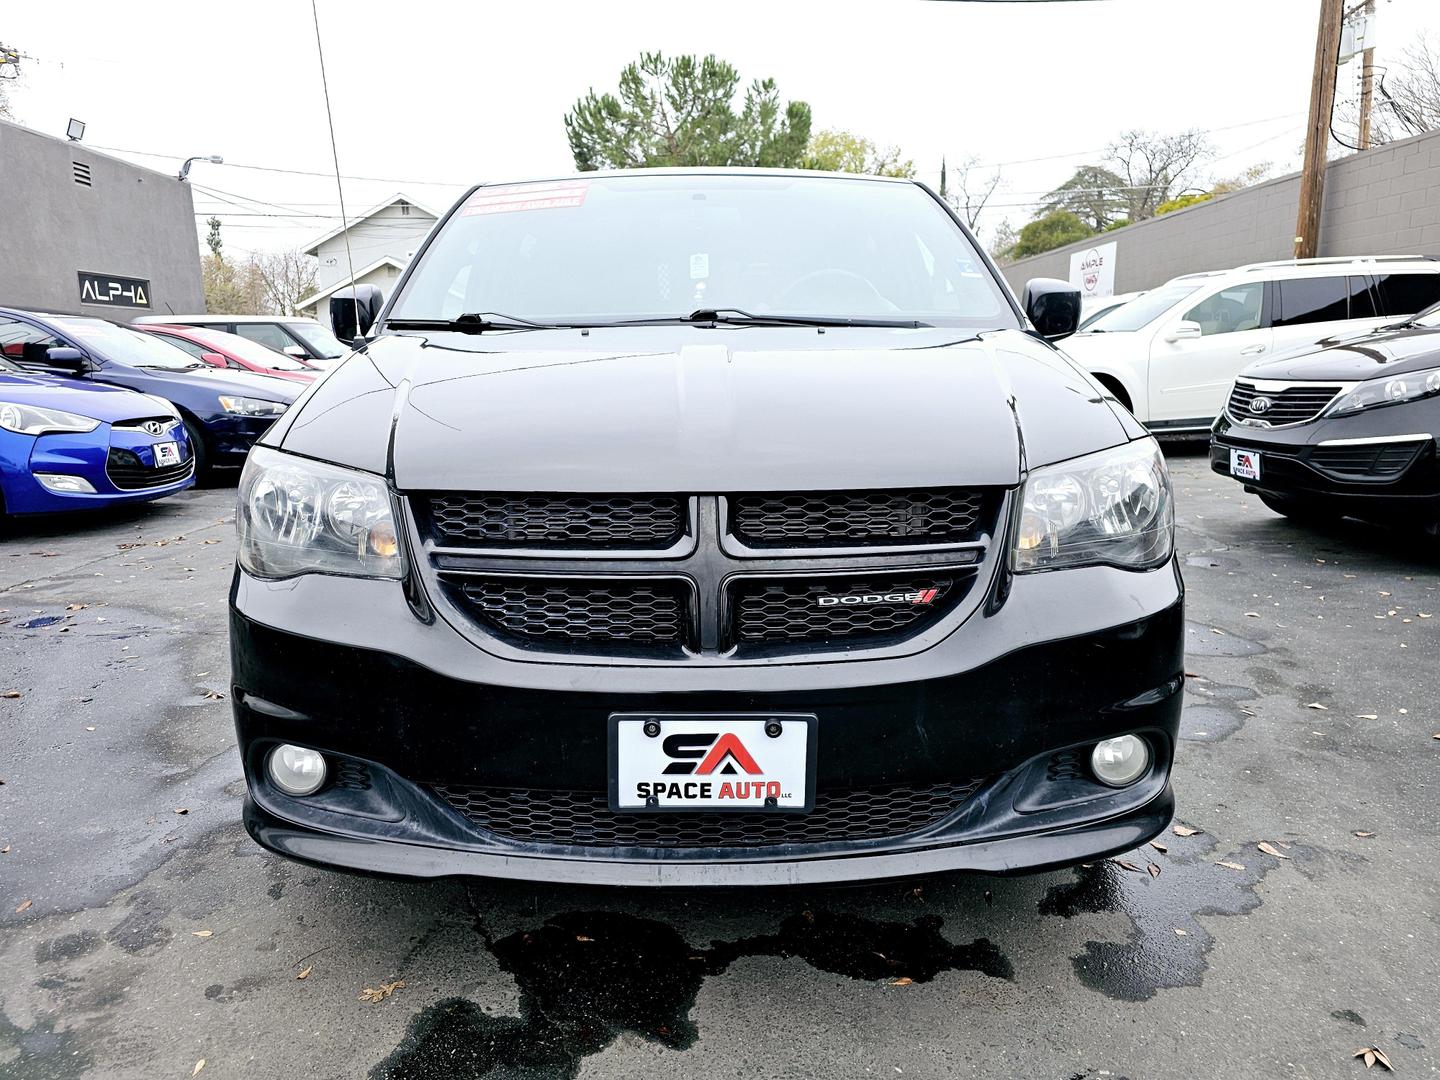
x=512, y=198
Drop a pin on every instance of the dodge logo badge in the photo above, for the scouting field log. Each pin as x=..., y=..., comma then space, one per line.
x=922, y=596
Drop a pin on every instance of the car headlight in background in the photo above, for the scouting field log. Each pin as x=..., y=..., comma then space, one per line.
x=249, y=406
x=1408, y=387
x=298, y=516
x=29, y=420
x=1107, y=509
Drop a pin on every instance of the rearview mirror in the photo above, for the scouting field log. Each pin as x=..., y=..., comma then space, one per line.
x=1184, y=330
x=214, y=359
x=66, y=359
x=1053, y=307
x=353, y=311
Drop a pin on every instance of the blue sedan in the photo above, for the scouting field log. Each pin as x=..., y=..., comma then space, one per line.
x=224, y=412
x=72, y=446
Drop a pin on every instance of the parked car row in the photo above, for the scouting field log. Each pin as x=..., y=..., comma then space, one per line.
x=93, y=413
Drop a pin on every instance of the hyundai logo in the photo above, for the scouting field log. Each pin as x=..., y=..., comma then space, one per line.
x=1261, y=405
x=154, y=427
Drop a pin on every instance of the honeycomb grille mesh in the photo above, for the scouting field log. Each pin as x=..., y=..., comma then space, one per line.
x=839, y=518
x=792, y=611
x=584, y=818
x=560, y=521
x=646, y=612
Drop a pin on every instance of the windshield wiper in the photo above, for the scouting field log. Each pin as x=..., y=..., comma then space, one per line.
x=739, y=317
x=472, y=322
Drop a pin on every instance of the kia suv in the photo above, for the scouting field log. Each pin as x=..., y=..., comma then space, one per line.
x=706, y=527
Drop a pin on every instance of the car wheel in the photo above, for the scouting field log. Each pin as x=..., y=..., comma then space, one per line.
x=197, y=447
x=1304, y=511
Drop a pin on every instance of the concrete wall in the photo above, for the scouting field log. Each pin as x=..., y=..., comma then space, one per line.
x=1384, y=201
x=387, y=232
x=130, y=222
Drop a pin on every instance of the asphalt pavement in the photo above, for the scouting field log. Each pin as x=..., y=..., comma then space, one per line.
x=143, y=935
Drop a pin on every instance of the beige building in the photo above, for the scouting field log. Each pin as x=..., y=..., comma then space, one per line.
x=381, y=243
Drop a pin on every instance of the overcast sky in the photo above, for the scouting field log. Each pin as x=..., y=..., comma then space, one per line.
x=431, y=96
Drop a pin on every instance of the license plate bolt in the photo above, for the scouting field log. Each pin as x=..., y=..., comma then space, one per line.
x=773, y=728
x=652, y=728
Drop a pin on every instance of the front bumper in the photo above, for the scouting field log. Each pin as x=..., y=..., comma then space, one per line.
x=1069, y=658
x=85, y=454
x=1327, y=461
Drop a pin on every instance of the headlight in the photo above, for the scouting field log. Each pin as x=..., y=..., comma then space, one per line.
x=1107, y=509
x=1407, y=387
x=28, y=420
x=301, y=517
x=250, y=406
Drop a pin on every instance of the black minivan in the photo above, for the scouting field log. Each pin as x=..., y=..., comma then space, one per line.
x=706, y=527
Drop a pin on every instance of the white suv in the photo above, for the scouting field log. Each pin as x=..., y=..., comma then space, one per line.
x=1172, y=354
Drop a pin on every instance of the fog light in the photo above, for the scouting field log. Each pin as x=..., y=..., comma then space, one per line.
x=63, y=484
x=1120, y=762
x=296, y=770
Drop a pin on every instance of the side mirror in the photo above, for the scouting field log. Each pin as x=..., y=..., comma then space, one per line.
x=214, y=359
x=1184, y=330
x=295, y=352
x=66, y=359
x=1053, y=306
x=353, y=311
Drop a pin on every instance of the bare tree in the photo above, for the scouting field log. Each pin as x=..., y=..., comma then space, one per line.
x=972, y=191
x=9, y=76
x=1154, y=166
x=1407, y=99
x=288, y=277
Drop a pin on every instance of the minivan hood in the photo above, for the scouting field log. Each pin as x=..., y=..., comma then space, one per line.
x=1377, y=354
x=701, y=410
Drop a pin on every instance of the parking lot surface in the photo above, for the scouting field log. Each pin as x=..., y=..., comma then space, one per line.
x=142, y=932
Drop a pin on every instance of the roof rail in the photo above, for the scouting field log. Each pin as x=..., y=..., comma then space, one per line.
x=1337, y=260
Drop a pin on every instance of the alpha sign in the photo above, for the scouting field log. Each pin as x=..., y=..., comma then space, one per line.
x=1092, y=270
x=108, y=290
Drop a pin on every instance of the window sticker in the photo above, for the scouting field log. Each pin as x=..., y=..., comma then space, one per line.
x=514, y=198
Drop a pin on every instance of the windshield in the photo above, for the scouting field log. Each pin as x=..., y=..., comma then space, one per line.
x=606, y=249
x=320, y=340
x=127, y=346
x=250, y=351
x=1141, y=311
x=1429, y=317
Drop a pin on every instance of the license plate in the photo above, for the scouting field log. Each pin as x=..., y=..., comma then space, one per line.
x=661, y=762
x=167, y=453
x=1245, y=464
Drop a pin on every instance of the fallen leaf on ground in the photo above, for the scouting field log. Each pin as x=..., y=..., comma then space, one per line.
x=582, y=937
x=5, y=850
x=182, y=809
x=1270, y=849
x=904, y=980
x=1127, y=866
x=1362, y=833
x=1159, y=846
x=1317, y=705
x=1213, y=630
x=198, y=1066
x=375, y=996
x=75, y=607
x=1367, y=716
x=1230, y=865
x=24, y=905
x=306, y=973
x=1185, y=830
x=1372, y=1054
x=214, y=695
x=209, y=541
x=1154, y=870
x=201, y=933
x=1182, y=933
x=1252, y=614
x=10, y=693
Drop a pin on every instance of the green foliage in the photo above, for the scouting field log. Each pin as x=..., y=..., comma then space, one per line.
x=1094, y=194
x=1117, y=225
x=843, y=151
x=1053, y=230
x=212, y=238
x=1182, y=201
x=681, y=111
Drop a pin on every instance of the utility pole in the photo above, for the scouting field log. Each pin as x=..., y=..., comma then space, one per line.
x=1317, y=131
x=1367, y=82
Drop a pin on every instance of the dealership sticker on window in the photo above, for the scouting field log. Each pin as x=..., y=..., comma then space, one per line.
x=699, y=266
x=513, y=198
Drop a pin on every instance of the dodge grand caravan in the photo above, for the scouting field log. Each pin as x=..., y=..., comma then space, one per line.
x=706, y=527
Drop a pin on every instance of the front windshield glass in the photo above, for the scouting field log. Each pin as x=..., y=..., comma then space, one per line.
x=1429, y=317
x=1141, y=311
x=250, y=351
x=320, y=340
x=605, y=249
x=127, y=346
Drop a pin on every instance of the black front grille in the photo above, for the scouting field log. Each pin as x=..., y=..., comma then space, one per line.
x=584, y=818
x=1293, y=406
x=839, y=609
x=128, y=473
x=841, y=518
x=616, y=522
x=646, y=612
x=1371, y=460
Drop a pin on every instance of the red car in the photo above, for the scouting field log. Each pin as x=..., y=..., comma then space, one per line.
x=233, y=351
